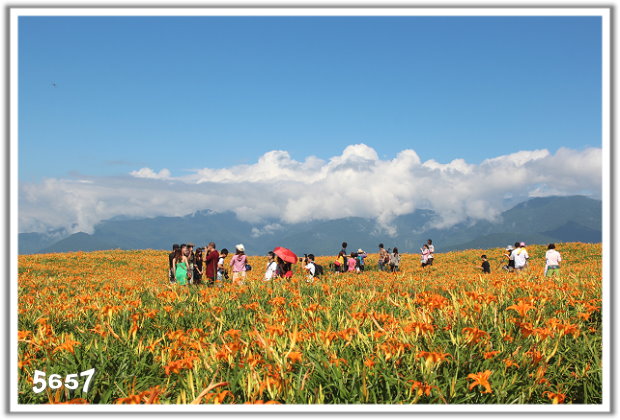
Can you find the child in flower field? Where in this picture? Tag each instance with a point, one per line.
(352, 263)
(486, 267)
(339, 263)
(361, 255)
(238, 262)
(394, 260)
(552, 259)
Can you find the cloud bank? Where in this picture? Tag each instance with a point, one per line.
(277, 187)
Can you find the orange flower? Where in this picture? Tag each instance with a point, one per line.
(422, 389)
(433, 357)
(67, 345)
(482, 379)
(233, 334)
(294, 357)
(369, 363)
(510, 362)
(474, 335)
(278, 301)
(24, 335)
(521, 308)
(556, 398)
(491, 354)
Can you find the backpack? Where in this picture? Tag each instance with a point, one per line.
(318, 270)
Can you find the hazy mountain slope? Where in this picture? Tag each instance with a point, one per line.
(539, 220)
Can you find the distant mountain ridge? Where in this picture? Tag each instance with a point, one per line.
(538, 220)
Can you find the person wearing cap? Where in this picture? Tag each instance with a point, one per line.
(272, 267)
(511, 262)
(361, 256)
(520, 257)
(238, 262)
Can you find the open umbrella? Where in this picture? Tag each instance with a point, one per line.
(286, 254)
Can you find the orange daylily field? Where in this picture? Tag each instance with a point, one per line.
(446, 334)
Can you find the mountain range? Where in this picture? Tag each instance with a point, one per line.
(538, 220)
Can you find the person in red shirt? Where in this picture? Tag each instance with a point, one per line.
(211, 256)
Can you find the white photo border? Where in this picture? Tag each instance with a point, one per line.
(604, 12)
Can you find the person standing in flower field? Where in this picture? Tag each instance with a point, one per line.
(339, 263)
(221, 270)
(310, 268)
(511, 262)
(271, 271)
(431, 250)
(520, 256)
(361, 256)
(198, 271)
(384, 258)
(180, 265)
(211, 259)
(425, 253)
(191, 259)
(344, 256)
(238, 262)
(552, 261)
(171, 274)
(351, 263)
(395, 260)
(486, 267)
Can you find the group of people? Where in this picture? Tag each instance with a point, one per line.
(389, 260)
(517, 259)
(355, 262)
(207, 264)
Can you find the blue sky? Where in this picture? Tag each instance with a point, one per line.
(184, 93)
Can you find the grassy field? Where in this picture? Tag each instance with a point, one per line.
(442, 335)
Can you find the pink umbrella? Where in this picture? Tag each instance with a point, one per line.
(286, 254)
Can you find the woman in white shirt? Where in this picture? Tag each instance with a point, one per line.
(553, 259)
(272, 266)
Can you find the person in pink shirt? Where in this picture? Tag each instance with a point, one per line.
(238, 262)
(351, 263)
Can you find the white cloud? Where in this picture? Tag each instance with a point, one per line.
(268, 229)
(355, 183)
(151, 174)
